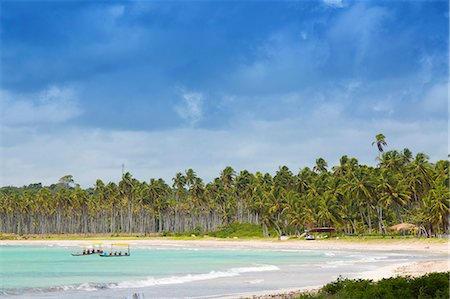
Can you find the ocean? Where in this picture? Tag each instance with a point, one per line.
(155, 272)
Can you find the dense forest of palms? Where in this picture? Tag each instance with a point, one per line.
(353, 198)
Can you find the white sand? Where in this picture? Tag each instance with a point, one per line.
(417, 268)
(423, 246)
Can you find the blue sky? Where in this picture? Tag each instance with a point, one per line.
(166, 86)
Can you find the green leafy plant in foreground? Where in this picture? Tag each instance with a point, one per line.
(433, 285)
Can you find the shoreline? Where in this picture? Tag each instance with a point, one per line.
(413, 269)
(423, 246)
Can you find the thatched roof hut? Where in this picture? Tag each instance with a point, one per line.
(403, 227)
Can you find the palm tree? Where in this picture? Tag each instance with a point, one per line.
(179, 182)
(127, 188)
(190, 177)
(436, 204)
(392, 193)
(66, 181)
(407, 156)
(420, 177)
(391, 160)
(227, 176)
(361, 188)
(321, 166)
(351, 197)
(380, 141)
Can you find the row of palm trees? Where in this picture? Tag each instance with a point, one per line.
(353, 198)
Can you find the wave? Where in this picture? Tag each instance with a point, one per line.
(150, 281)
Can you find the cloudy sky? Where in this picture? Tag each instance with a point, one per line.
(162, 87)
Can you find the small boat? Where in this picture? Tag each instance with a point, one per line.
(116, 252)
(90, 249)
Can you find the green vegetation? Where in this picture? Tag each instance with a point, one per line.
(355, 199)
(240, 230)
(433, 285)
(233, 230)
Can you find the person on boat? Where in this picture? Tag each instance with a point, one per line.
(120, 252)
(84, 251)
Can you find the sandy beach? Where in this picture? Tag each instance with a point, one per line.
(424, 246)
(417, 268)
(437, 254)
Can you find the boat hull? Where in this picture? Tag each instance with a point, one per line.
(107, 255)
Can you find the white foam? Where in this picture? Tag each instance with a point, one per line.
(87, 287)
(90, 287)
(151, 281)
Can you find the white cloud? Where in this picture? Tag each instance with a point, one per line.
(29, 156)
(53, 105)
(191, 107)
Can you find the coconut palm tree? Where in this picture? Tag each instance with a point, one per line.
(190, 177)
(436, 205)
(321, 166)
(380, 141)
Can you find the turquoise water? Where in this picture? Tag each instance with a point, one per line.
(25, 267)
(50, 272)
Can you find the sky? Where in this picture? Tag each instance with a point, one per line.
(161, 87)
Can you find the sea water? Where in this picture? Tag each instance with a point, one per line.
(52, 272)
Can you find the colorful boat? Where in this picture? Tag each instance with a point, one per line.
(90, 249)
(116, 250)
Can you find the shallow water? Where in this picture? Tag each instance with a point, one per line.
(51, 272)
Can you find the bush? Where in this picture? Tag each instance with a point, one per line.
(430, 286)
(240, 230)
(433, 285)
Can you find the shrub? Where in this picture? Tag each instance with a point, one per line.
(430, 286)
(240, 230)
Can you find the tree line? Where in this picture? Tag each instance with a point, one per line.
(351, 197)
